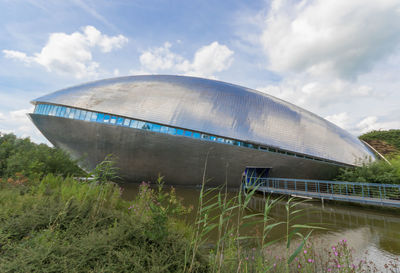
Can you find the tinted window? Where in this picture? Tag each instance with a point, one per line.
(146, 126)
(71, 113)
(155, 127)
(106, 118)
(88, 115)
(179, 132)
(100, 117)
(67, 110)
(46, 111)
(120, 121)
(196, 135)
(77, 114)
(172, 131)
(134, 123)
(113, 120)
(188, 133)
(127, 121)
(93, 117)
(52, 110)
(62, 112)
(83, 115)
(164, 129)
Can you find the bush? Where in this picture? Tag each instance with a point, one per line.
(373, 172)
(64, 225)
(33, 160)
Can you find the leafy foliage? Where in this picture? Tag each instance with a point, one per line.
(21, 156)
(65, 225)
(106, 171)
(391, 136)
(373, 172)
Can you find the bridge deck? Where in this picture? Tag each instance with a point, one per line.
(364, 193)
(336, 197)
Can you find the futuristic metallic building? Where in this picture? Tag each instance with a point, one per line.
(184, 127)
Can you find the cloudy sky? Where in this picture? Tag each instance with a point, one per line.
(337, 58)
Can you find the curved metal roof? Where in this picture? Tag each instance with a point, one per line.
(217, 108)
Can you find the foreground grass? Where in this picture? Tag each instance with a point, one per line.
(63, 225)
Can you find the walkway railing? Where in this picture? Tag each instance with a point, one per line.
(368, 193)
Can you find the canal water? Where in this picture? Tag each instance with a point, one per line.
(373, 233)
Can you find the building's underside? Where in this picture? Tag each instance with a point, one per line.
(184, 127)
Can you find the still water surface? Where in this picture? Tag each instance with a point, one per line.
(373, 233)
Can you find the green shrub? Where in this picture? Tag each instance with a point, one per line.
(373, 172)
(65, 225)
(21, 156)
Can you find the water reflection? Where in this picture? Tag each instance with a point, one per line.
(373, 233)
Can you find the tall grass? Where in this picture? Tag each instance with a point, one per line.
(66, 225)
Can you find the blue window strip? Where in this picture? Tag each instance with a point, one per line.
(113, 120)
(72, 113)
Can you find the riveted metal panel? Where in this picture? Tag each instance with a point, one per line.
(217, 108)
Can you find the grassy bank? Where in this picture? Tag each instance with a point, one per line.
(52, 222)
(64, 225)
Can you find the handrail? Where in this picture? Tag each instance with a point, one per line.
(329, 181)
(373, 193)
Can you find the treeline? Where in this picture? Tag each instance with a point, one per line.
(21, 157)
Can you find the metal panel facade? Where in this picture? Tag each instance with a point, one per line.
(216, 108)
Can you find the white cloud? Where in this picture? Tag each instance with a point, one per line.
(160, 58)
(18, 122)
(336, 58)
(374, 123)
(337, 37)
(71, 54)
(21, 56)
(341, 120)
(317, 93)
(207, 61)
